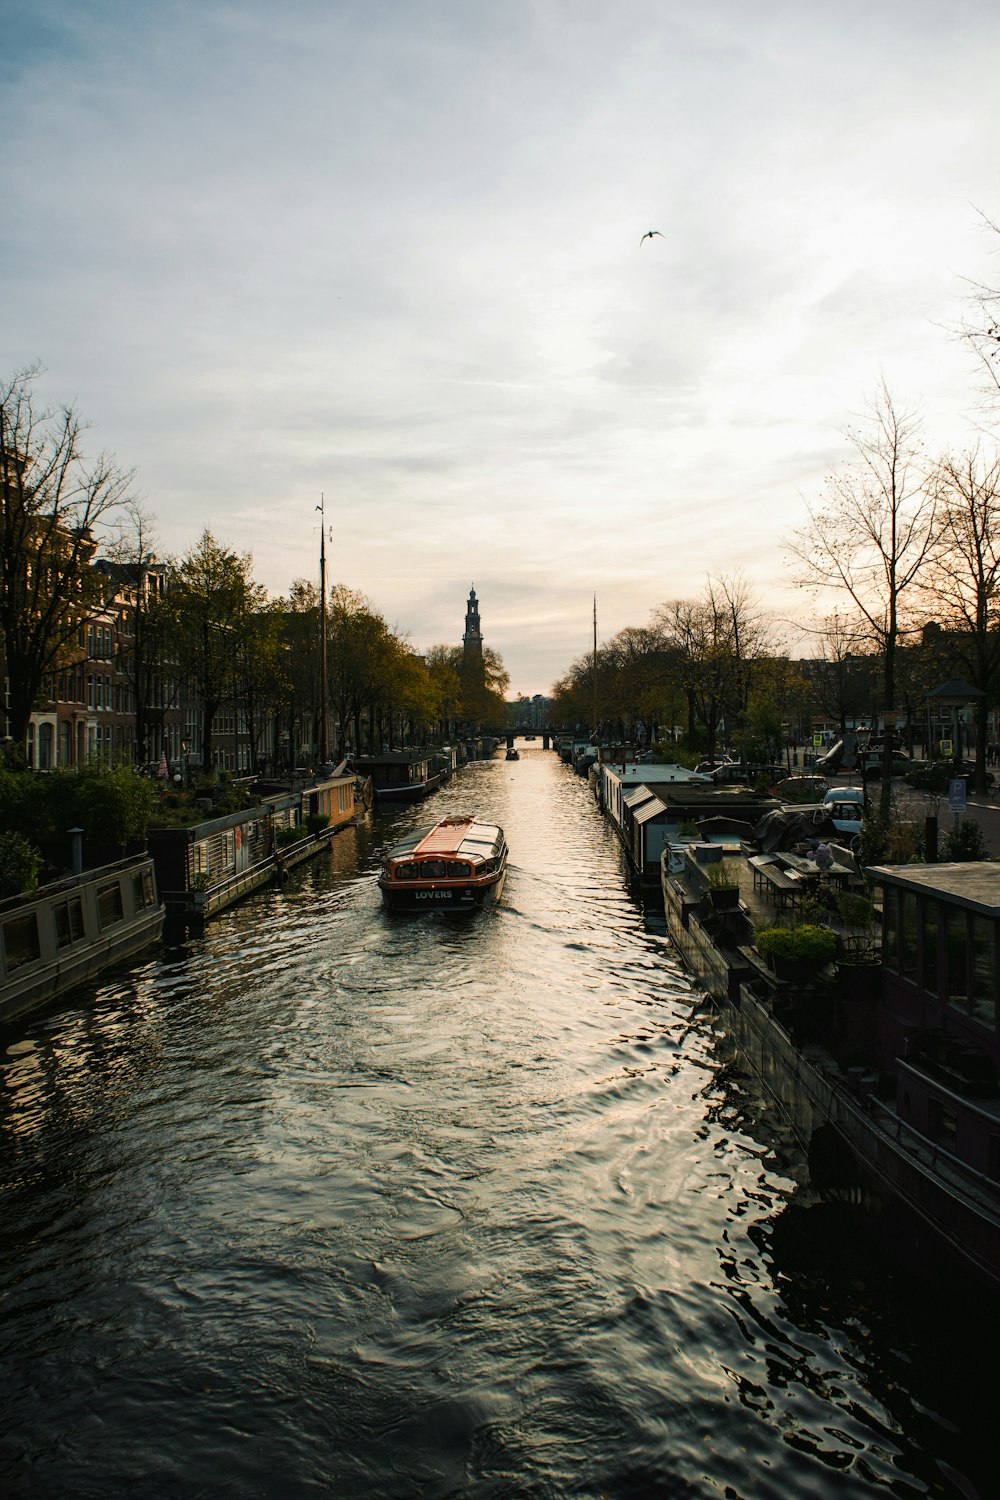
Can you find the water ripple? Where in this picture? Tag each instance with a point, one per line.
(328, 1202)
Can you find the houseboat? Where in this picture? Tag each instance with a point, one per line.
(458, 863)
(400, 775)
(72, 930)
(205, 867)
(884, 1062)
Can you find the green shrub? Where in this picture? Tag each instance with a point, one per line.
(286, 836)
(930, 776)
(20, 863)
(113, 806)
(316, 822)
(721, 876)
(966, 842)
(804, 944)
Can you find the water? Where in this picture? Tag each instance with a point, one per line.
(331, 1202)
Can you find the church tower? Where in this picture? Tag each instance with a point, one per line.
(472, 640)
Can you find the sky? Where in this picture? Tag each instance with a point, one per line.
(391, 253)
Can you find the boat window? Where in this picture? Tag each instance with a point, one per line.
(20, 940)
(908, 934)
(958, 981)
(984, 972)
(459, 870)
(407, 872)
(69, 921)
(142, 888)
(433, 869)
(929, 946)
(109, 904)
(942, 1123)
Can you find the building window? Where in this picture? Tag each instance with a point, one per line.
(942, 1123)
(984, 972)
(957, 943)
(908, 934)
(199, 858)
(929, 947)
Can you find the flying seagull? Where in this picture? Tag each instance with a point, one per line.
(649, 235)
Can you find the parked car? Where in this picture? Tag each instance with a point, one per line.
(847, 817)
(845, 794)
(871, 763)
(734, 774)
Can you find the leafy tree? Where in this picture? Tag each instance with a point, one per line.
(51, 499)
(20, 863)
(212, 596)
(485, 681)
(301, 649)
(262, 681)
(444, 670)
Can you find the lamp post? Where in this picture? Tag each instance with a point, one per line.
(185, 754)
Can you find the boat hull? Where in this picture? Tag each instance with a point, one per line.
(459, 896)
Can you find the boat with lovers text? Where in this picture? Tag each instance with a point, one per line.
(458, 863)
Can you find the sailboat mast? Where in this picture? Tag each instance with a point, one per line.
(593, 679)
(324, 754)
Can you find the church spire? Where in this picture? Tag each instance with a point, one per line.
(472, 640)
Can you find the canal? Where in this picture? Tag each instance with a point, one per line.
(329, 1202)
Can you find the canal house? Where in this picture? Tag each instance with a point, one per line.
(937, 1023)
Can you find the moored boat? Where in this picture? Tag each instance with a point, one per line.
(457, 863)
(66, 933)
(886, 1062)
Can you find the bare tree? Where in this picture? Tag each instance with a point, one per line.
(715, 643)
(51, 499)
(966, 576)
(871, 538)
(144, 655)
(981, 328)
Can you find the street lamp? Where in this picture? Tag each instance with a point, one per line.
(185, 754)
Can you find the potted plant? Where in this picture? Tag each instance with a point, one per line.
(723, 886)
(796, 952)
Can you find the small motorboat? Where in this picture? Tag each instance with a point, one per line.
(513, 754)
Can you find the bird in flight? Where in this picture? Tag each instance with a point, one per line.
(649, 235)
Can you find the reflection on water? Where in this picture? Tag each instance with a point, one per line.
(333, 1202)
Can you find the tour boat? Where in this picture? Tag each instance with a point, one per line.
(458, 863)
